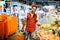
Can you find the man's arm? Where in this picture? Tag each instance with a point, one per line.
(24, 23)
(37, 22)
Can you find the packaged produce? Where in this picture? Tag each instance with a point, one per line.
(20, 36)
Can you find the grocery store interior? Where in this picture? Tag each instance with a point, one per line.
(14, 27)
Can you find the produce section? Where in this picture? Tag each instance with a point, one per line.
(49, 32)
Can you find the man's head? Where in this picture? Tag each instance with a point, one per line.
(34, 8)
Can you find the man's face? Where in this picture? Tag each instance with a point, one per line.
(34, 9)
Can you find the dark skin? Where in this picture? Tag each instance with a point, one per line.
(25, 20)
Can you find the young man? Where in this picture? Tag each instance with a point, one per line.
(31, 20)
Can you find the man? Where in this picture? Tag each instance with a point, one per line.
(31, 20)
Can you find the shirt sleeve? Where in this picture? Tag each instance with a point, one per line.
(26, 14)
(37, 17)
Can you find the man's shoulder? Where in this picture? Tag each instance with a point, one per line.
(29, 11)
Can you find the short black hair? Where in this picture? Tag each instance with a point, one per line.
(34, 6)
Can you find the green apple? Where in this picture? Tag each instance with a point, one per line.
(53, 22)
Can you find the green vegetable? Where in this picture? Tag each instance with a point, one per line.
(53, 30)
(58, 33)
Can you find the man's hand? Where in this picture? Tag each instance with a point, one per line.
(22, 30)
(24, 23)
(38, 23)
